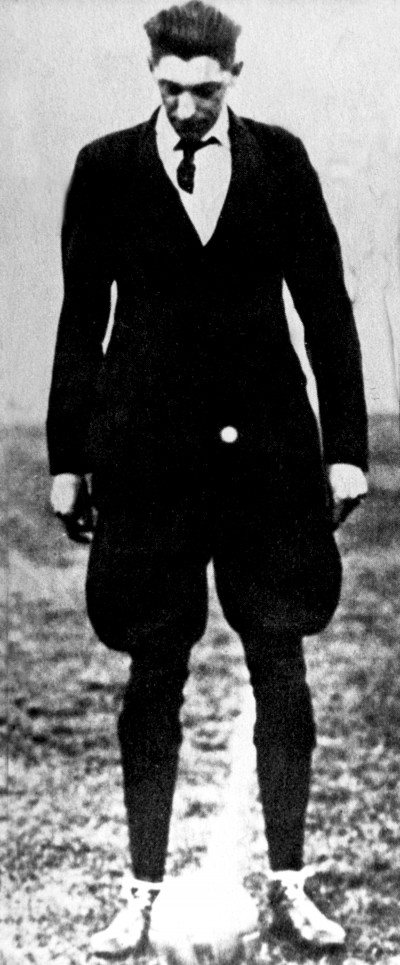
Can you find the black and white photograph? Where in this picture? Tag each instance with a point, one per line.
(200, 476)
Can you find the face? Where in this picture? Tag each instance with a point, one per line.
(193, 92)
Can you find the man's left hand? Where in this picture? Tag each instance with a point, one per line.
(349, 486)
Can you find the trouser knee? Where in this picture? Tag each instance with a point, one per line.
(149, 727)
(284, 713)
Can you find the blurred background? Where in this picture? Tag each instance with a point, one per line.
(72, 70)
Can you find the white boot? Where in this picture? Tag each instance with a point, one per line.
(128, 932)
(295, 915)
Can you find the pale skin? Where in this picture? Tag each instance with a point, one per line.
(193, 93)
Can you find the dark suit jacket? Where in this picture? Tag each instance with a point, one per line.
(200, 337)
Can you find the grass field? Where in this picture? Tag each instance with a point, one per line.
(64, 839)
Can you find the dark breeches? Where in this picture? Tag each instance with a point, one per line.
(278, 575)
(276, 563)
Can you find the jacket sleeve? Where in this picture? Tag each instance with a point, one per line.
(83, 320)
(314, 274)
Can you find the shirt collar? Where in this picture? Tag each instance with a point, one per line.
(168, 138)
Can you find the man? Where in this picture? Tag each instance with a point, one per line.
(197, 429)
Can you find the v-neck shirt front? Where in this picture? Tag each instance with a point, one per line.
(212, 176)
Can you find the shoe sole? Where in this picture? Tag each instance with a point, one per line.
(290, 934)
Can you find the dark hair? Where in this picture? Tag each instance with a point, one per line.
(193, 30)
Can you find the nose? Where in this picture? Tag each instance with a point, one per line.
(186, 106)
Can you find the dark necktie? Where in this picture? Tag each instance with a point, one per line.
(186, 168)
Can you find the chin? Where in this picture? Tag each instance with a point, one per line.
(191, 130)
(185, 131)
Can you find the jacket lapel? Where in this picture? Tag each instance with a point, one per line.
(164, 219)
(165, 211)
(251, 187)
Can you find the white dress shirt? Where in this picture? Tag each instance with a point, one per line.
(212, 177)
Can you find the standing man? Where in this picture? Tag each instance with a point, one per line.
(197, 430)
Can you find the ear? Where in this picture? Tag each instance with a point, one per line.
(236, 70)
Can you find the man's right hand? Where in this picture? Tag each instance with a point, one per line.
(70, 501)
(64, 493)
